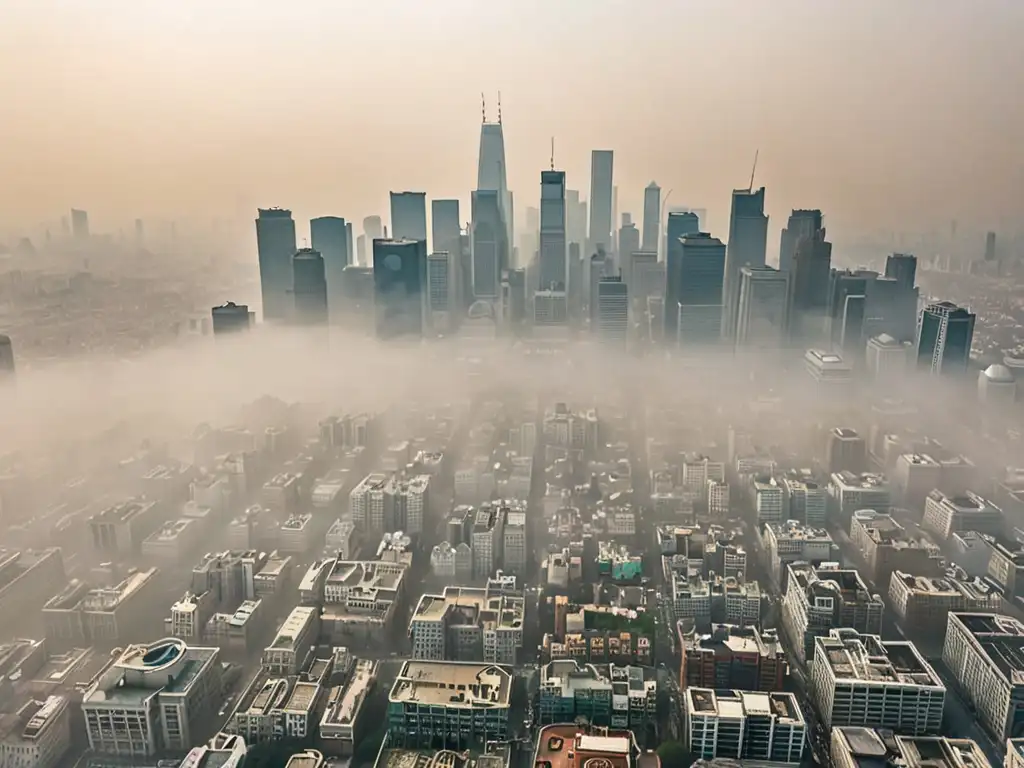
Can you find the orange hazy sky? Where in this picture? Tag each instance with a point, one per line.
(887, 114)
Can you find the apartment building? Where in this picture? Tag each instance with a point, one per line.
(945, 515)
(923, 603)
(468, 624)
(854, 747)
(792, 541)
(887, 546)
(744, 725)
(605, 694)
(730, 656)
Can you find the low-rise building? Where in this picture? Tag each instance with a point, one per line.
(37, 734)
(849, 491)
(862, 680)
(984, 653)
(887, 546)
(792, 542)
(223, 751)
(174, 540)
(293, 644)
(189, 615)
(856, 747)
(727, 600)
(1005, 564)
(923, 603)
(575, 746)
(154, 697)
(361, 599)
(236, 631)
(121, 528)
(296, 533)
(744, 725)
(731, 657)
(340, 539)
(79, 617)
(467, 702)
(606, 694)
(818, 600)
(468, 624)
(945, 514)
(343, 723)
(28, 578)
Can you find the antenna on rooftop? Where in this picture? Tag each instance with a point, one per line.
(483, 106)
(552, 153)
(499, 107)
(752, 171)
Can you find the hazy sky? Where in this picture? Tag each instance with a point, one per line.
(899, 114)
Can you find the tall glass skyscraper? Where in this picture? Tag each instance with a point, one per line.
(944, 338)
(409, 216)
(601, 167)
(802, 223)
(652, 217)
(552, 264)
(748, 240)
(275, 241)
(761, 308)
(310, 288)
(700, 275)
(491, 173)
(488, 244)
(329, 236)
(680, 225)
(399, 287)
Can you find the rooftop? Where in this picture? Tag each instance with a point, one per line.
(302, 697)
(706, 702)
(795, 530)
(860, 481)
(452, 684)
(477, 606)
(344, 702)
(868, 658)
(1000, 638)
(293, 626)
(557, 745)
(169, 532)
(869, 748)
(951, 585)
(123, 512)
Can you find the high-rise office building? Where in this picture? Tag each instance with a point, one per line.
(552, 258)
(489, 247)
(748, 239)
(230, 318)
(79, 224)
(409, 216)
(701, 273)
(360, 251)
(944, 338)
(440, 303)
(762, 304)
(680, 224)
(6, 355)
(309, 279)
(902, 267)
(349, 242)
(399, 286)
(491, 172)
(359, 285)
(513, 297)
(809, 282)
(446, 234)
(601, 166)
(629, 243)
(652, 217)
(802, 223)
(275, 242)
(847, 295)
(612, 311)
(990, 246)
(373, 228)
(647, 278)
(329, 236)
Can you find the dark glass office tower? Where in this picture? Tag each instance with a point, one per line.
(944, 338)
(6, 355)
(489, 244)
(399, 285)
(701, 275)
(802, 223)
(310, 289)
(231, 318)
(902, 267)
(275, 241)
(329, 236)
(680, 224)
(601, 166)
(552, 258)
(652, 217)
(748, 240)
(409, 216)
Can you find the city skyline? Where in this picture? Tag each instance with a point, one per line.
(837, 166)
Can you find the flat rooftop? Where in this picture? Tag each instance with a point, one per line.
(736, 704)
(302, 697)
(366, 574)
(555, 744)
(123, 512)
(870, 659)
(344, 702)
(452, 684)
(477, 606)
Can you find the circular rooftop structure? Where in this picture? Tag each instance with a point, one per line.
(481, 309)
(999, 373)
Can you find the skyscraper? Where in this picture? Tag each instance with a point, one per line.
(329, 236)
(79, 224)
(601, 166)
(275, 242)
(680, 225)
(373, 228)
(700, 275)
(748, 239)
(349, 242)
(488, 245)
(944, 338)
(810, 278)
(575, 218)
(446, 237)
(552, 261)
(230, 318)
(409, 216)
(761, 307)
(360, 251)
(802, 223)
(491, 172)
(310, 288)
(612, 311)
(990, 246)
(440, 303)
(399, 285)
(629, 243)
(652, 217)
(646, 278)
(902, 267)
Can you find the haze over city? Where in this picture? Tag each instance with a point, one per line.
(566, 385)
